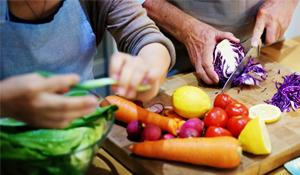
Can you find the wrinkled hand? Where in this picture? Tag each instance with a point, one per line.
(200, 43)
(274, 16)
(131, 71)
(35, 100)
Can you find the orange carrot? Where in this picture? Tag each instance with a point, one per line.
(220, 152)
(129, 111)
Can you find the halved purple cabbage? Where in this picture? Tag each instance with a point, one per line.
(288, 93)
(227, 56)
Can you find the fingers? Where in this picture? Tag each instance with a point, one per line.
(59, 82)
(58, 111)
(227, 35)
(274, 32)
(53, 102)
(116, 64)
(258, 30)
(136, 80)
(205, 67)
(126, 76)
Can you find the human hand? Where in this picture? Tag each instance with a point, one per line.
(35, 100)
(131, 71)
(200, 41)
(274, 16)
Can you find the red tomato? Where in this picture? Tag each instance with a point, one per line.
(216, 117)
(222, 100)
(213, 131)
(236, 124)
(235, 109)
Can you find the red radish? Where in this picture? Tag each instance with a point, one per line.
(151, 132)
(134, 130)
(168, 136)
(156, 108)
(194, 123)
(188, 132)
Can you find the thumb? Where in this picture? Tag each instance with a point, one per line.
(258, 31)
(228, 35)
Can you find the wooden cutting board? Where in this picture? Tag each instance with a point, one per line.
(284, 134)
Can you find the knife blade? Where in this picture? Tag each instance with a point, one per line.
(252, 53)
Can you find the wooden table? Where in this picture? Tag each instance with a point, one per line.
(285, 134)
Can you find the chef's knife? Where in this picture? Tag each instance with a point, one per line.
(252, 53)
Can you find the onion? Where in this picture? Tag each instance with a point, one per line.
(156, 108)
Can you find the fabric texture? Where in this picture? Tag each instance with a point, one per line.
(66, 44)
(72, 36)
(127, 21)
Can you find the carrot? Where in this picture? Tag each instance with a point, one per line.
(129, 111)
(220, 152)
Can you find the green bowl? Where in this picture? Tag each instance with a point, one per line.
(30, 151)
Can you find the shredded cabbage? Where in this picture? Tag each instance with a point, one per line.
(288, 93)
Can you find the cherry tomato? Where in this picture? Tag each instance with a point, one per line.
(222, 100)
(216, 117)
(236, 124)
(235, 109)
(213, 131)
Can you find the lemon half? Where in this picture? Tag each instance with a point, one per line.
(254, 138)
(266, 112)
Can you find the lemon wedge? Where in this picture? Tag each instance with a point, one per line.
(190, 101)
(266, 112)
(254, 138)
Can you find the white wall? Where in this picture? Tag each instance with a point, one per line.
(294, 28)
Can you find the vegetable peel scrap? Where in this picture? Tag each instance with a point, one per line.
(288, 93)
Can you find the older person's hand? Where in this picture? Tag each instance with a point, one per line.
(200, 42)
(274, 16)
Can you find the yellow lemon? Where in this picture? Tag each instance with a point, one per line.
(266, 112)
(190, 101)
(254, 138)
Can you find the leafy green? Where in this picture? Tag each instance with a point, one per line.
(27, 150)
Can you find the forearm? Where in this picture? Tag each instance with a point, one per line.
(156, 55)
(169, 18)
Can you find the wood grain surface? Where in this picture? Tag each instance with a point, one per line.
(284, 134)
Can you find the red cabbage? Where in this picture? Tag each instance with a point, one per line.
(288, 93)
(253, 74)
(227, 56)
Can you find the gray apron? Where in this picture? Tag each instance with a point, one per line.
(235, 16)
(64, 45)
